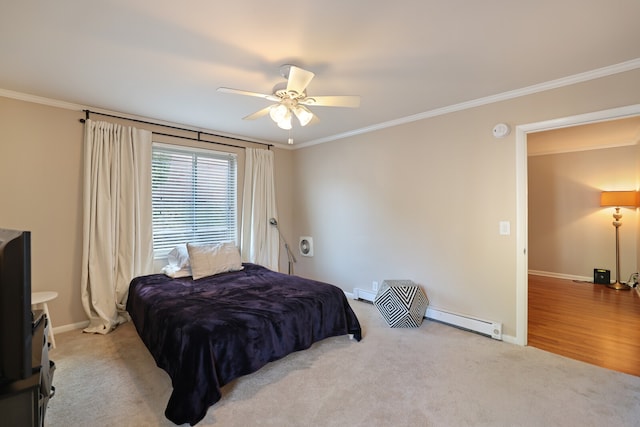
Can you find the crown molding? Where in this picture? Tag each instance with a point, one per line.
(79, 107)
(528, 90)
(42, 100)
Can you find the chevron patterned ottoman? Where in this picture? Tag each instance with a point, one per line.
(402, 303)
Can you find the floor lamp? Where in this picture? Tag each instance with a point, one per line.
(292, 259)
(618, 199)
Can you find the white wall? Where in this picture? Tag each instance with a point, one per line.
(423, 201)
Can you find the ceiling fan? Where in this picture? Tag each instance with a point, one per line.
(291, 99)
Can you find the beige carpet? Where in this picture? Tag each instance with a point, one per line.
(435, 375)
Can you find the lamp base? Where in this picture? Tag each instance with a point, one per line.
(618, 286)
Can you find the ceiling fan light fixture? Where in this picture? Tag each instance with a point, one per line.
(290, 98)
(285, 122)
(303, 114)
(278, 112)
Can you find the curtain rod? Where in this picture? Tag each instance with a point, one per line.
(88, 112)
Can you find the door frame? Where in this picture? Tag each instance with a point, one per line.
(522, 257)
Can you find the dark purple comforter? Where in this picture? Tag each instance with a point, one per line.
(207, 332)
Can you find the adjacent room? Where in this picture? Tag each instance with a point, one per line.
(572, 241)
(282, 164)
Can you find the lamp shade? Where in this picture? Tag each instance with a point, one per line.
(303, 114)
(278, 112)
(619, 198)
(285, 122)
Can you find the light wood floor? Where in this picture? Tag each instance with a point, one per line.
(586, 322)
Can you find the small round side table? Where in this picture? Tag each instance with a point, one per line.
(39, 300)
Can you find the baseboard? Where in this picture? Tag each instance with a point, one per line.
(561, 276)
(484, 327)
(571, 277)
(70, 327)
(510, 339)
(359, 293)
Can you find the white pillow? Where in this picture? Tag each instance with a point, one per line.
(175, 272)
(207, 260)
(179, 265)
(179, 256)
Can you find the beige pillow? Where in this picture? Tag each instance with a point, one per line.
(207, 260)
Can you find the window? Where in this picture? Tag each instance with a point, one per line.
(194, 197)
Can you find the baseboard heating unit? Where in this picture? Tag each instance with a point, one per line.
(484, 327)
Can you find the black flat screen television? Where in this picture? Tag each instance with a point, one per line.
(15, 305)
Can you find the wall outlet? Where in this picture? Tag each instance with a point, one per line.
(374, 285)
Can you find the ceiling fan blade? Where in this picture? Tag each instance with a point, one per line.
(258, 114)
(248, 93)
(298, 79)
(351, 101)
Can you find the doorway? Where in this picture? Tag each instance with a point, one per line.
(522, 203)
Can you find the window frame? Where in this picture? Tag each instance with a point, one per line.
(223, 226)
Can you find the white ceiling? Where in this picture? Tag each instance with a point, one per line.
(164, 60)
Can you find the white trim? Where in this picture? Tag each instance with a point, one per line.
(528, 90)
(70, 327)
(581, 149)
(485, 327)
(521, 198)
(553, 84)
(190, 149)
(79, 107)
(560, 276)
(41, 100)
(522, 258)
(367, 295)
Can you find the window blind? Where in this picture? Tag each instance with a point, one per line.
(194, 197)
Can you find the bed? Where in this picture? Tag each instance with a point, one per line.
(204, 333)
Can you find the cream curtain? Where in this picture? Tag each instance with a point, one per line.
(117, 229)
(259, 242)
